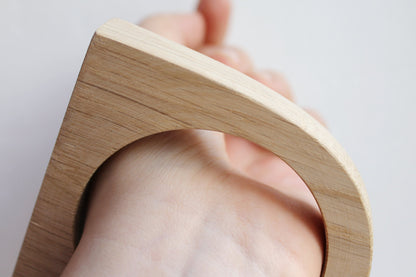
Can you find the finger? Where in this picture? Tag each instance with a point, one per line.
(316, 115)
(248, 157)
(275, 81)
(231, 56)
(216, 14)
(187, 29)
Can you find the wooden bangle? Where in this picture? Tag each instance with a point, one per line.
(134, 83)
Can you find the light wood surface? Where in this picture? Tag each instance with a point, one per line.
(134, 83)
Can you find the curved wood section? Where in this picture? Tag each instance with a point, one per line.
(134, 83)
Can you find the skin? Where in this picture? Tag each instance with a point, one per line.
(200, 203)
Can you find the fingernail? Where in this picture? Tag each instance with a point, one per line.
(267, 75)
(233, 56)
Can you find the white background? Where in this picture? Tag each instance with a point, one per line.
(354, 61)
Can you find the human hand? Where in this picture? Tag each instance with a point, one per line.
(195, 202)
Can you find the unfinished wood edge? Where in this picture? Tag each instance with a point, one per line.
(128, 33)
(141, 39)
(127, 39)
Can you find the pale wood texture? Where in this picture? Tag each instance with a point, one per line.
(134, 83)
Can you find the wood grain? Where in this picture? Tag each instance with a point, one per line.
(134, 83)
